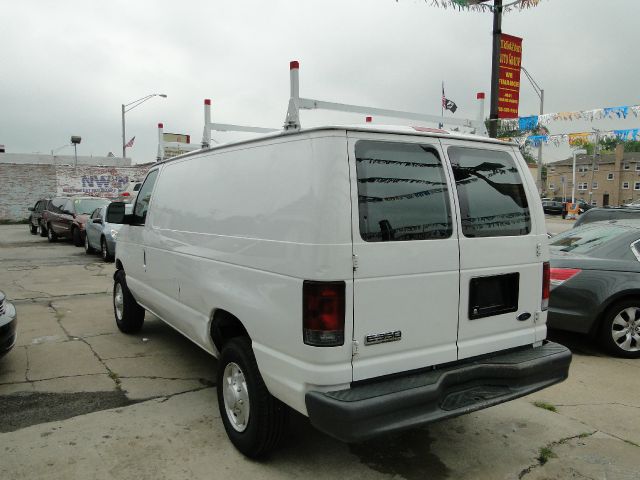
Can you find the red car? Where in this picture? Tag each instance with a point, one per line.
(66, 217)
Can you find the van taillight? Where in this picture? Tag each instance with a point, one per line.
(323, 313)
(126, 194)
(546, 280)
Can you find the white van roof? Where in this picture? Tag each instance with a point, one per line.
(393, 129)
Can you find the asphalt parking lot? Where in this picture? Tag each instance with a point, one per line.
(80, 400)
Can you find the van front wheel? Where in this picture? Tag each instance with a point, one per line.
(129, 315)
(253, 419)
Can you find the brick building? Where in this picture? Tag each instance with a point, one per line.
(614, 180)
(26, 178)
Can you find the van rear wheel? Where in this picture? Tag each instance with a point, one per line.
(129, 315)
(254, 420)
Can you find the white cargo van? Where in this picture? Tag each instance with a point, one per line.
(372, 278)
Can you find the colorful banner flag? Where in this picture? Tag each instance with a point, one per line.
(528, 123)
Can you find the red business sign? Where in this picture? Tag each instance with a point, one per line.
(509, 78)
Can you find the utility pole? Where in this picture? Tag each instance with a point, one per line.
(495, 68)
(540, 184)
(124, 139)
(540, 92)
(593, 163)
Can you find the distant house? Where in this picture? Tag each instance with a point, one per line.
(612, 179)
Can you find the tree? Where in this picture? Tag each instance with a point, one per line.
(608, 145)
(525, 148)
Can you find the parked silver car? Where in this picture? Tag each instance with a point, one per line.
(100, 235)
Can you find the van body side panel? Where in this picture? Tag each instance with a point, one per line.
(240, 229)
(406, 281)
(501, 248)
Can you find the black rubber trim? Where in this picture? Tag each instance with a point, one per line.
(399, 403)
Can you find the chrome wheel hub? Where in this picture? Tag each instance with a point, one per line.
(236, 397)
(625, 329)
(118, 301)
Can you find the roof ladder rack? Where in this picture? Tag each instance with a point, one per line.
(225, 127)
(292, 120)
(162, 145)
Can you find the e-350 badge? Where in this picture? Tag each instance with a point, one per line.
(375, 338)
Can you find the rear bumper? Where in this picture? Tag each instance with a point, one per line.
(399, 403)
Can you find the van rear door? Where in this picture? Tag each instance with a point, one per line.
(500, 248)
(405, 246)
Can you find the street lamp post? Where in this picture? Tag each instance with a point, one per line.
(593, 163)
(128, 107)
(540, 92)
(75, 140)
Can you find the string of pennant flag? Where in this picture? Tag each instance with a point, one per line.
(482, 5)
(577, 138)
(534, 121)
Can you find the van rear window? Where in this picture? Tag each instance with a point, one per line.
(402, 192)
(493, 202)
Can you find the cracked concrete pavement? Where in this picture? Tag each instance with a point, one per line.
(79, 399)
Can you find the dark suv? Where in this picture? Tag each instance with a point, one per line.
(66, 217)
(35, 218)
(552, 207)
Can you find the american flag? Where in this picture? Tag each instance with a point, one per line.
(129, 144)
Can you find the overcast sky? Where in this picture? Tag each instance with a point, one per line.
(67, 66)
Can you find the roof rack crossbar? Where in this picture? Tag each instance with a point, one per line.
(225, 127)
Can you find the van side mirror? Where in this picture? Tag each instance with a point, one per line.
(31, 209)
(116, 212)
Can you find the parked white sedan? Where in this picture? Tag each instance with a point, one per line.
(100, 235)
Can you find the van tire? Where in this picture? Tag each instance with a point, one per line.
(128, 314)
(268, 416)
(43, 230)
(33, 228)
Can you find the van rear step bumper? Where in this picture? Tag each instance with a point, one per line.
(399, 403)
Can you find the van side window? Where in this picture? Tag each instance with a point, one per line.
(144, 197)
(493, 202)
(402, 192)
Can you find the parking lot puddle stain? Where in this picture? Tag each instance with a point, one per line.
(25, 409)
(407, 455)
(48, 338)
